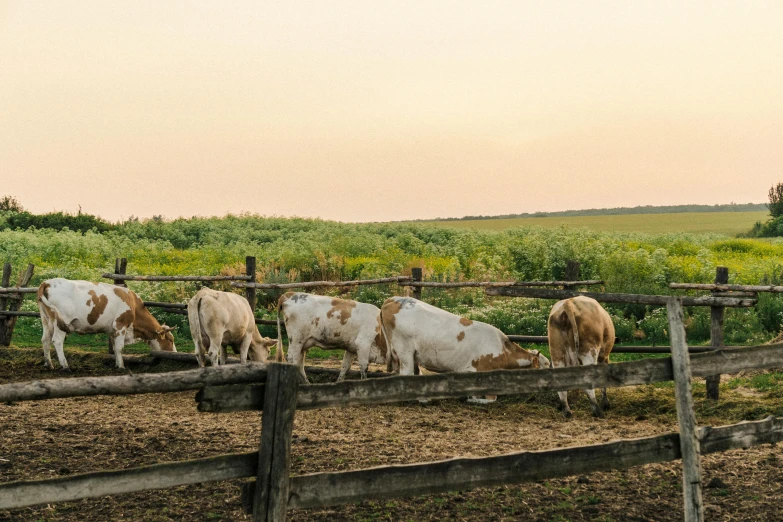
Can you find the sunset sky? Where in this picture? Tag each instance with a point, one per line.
(387, 110)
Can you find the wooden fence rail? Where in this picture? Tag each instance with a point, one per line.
(318, 284)
(497, 382)
(605, 297)
(125, 277)
(482, 284)
(332, 488)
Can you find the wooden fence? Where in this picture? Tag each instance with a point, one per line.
(275, 389)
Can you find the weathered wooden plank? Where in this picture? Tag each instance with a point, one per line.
(686, 416)
(499, 382)
(490, 284)
(99, 484)
(716, 333)
(332, 488)
(250, 272)
(7, 333)
(317, 284)
(720, 287)
(416, 275)
(604, 297)
(17, 313)
(274, 456)
(125, 277)
(133, 384)
(18, 290)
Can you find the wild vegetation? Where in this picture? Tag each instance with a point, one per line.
(296, 249)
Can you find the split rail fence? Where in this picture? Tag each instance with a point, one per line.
(275, 390)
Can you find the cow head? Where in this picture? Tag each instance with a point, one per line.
(543, 362)
(163, 339)
(259, 349)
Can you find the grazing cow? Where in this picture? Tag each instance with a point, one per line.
(332, 324)
(221, 319)
(440, 341)
(84, 307)
(580, 333)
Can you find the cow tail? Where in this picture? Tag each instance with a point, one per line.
(279, 349)
(572, 355)
(42, 300)
(196, 327)
(386, 339)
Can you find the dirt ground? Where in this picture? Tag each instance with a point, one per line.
(59, 437)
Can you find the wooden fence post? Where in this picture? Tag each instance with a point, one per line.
(572, 271)
(416, 274)
(6, 282)
(689, 441)
(270, 501)
(14, 304)
(716, 332)
(250, 269)
(120, 266)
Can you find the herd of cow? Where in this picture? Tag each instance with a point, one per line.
(404, 334)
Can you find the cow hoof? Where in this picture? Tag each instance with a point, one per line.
(567, 414)
(605, 405)
(66, 370)
(598, 414)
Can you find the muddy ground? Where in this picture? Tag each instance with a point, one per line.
(60, 437)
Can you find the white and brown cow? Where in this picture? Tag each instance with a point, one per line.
(221, 319)
(332, 324)
(580, 332)
(440, 341)
(83, 307)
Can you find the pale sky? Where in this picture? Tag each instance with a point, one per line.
(388, 110)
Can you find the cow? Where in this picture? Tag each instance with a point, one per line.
(580, 332)
(440, 341)
(221, 319)
(332, 324)
(84, 307)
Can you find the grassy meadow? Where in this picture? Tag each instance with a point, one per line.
(729, 223)
(295, 249)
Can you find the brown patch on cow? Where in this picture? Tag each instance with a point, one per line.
(390, 308)
(145, 326)
(461, 336)
(465, 321)
(43, 290)
(283, 298)
(342, 306)
(99, 303)
(337, 334)
(316, 321)
(489, 362)
(380, 340)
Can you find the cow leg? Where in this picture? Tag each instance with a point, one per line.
(243, 349)
(347, 360)
(604, 399)
(215, 347)
(586, 360)
(119, 344)
(58, 337)
(364, 361)
(46, 342)
(559, 362)
(296, 355)
(223, 354)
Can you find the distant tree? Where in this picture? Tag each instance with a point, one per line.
(10, 204)
(775, 204)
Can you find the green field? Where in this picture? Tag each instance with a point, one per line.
(730, 223)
